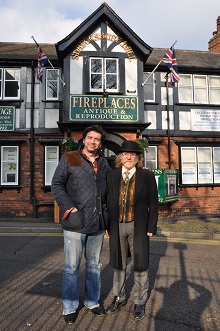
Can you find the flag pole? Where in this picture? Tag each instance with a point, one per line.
(49, 62)
(154, 69)
(151, 73)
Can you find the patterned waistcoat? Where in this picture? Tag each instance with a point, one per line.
(126, 200)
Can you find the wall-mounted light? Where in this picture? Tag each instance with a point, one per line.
(105, 94)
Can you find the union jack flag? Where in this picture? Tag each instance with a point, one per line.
(170, 60)
(42, 59)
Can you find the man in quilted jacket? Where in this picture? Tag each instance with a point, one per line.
(79, 188)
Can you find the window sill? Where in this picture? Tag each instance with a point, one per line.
(10, 187)
(197, 186)
(46, 188)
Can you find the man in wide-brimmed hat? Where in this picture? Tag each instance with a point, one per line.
(133, 206)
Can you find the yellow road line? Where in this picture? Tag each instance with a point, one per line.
(31, 234)
(186, 240)
(162, 239)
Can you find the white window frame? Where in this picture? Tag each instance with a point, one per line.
(200, 165)
(51, 162)
(4, 81)
(150, 84)
(208, 89)
(189, 165)
(200, 89)
(216, 164)
(53, 81)
(9, 165)
(214, 88)
(148, 160)
(104, 75)
(185, 87)
(204, 158)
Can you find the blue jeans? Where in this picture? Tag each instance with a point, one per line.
(74, 243)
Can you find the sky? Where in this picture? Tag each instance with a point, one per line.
(158, 23)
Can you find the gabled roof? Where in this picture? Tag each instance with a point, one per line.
(102, 14)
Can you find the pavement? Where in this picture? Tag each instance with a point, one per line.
(184, 274)
(188, 228)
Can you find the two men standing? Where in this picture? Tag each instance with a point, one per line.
(79, 187)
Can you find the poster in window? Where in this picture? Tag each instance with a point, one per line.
(10, 178)
(189, 175)
(51, 154)
(204, 175)
(217, 175)
(171, 185)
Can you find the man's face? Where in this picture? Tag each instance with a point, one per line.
(92, 142)
(129, 160)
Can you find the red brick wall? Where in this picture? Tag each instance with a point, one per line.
(200, 201)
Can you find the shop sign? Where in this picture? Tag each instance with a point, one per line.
(167, 184)
(7, 118)
(98, 108)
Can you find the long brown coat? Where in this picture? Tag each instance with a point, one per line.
(145, 216)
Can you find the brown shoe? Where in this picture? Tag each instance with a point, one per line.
(115, 305)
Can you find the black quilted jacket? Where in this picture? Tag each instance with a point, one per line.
(75, 184)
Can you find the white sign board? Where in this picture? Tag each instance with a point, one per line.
(205, 120)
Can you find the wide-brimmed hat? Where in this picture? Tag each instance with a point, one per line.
(130, 146)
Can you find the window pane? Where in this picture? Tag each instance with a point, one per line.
(12, 74)
(216, 154)
(185, 94)
(111, 82)
(111, 66)
(200, 95)
(188, 154)
(185, 80)
(189, 171)
(9, 165)
(52, 83)
(204, 154)
(200, 89)
(149, 87)
(96, 81)
(200, 81)
(52, 89)
(150, 161)
(96, 65)
(11, 89)
(216, 158)
(214, 95)
(12, 80)
(52, 74)
(214, 81)
(51, 161)
(214, 89)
